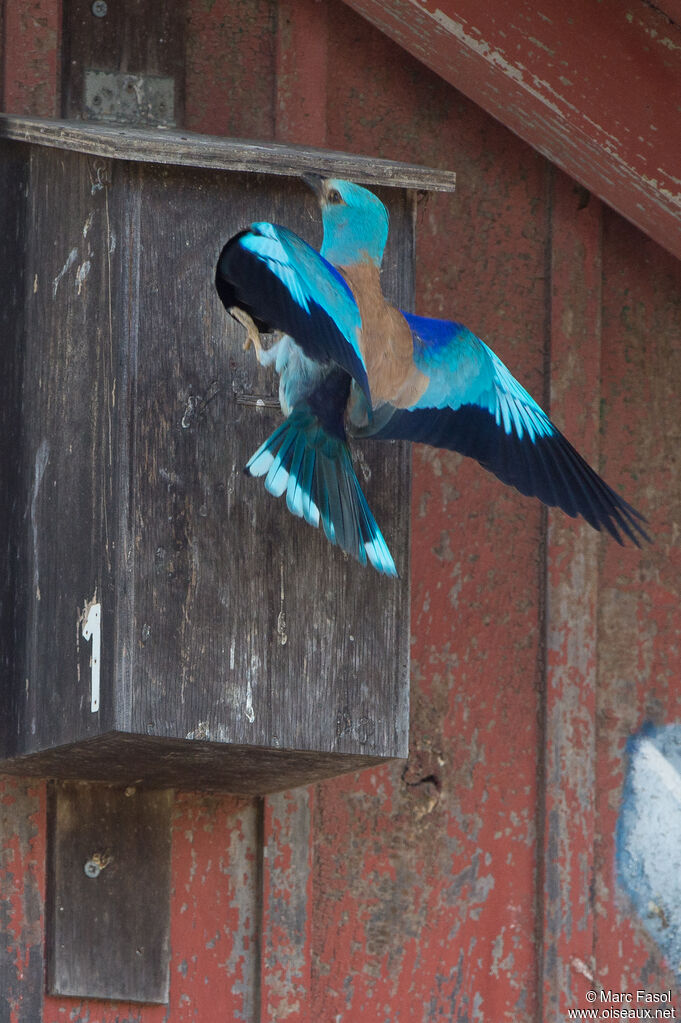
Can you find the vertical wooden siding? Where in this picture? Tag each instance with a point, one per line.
(477, 882)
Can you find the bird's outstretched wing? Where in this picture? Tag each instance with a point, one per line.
(284, 284)
(475, 406)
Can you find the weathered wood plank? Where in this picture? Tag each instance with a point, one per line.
(672, 8)
(215, 910)
(562, 79)
(193, 150)
(22, 887)
(208, 766)
(286, 943)
(13, 585)
(571, 610)
(108, 895)
(301, 72)
(30, 67)
(67, 446)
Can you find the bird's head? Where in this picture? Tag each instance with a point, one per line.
(355, 221)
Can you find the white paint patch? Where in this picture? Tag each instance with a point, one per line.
(201, 732)
(92, 630)
(88, 224)
(249, 712)
(41, 459)
(666, 192)
(81, 275)
(650, 759)
(281, 618)
(70, 260)
(648, 829)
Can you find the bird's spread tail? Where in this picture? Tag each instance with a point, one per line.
(314, 470)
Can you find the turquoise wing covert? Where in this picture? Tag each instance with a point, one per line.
(474, 405)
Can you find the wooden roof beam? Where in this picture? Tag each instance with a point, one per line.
(595, 87)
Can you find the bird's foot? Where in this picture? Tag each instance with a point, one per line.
(252, 332)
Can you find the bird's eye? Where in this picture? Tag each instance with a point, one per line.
(335, 196)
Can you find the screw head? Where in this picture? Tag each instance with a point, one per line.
(92, 869)
(99, 8)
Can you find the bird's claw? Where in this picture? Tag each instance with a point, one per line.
(252, 332)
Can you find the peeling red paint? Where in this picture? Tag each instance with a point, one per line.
(30, 81)
(231, 53)
(593, 101)
(22, 896)
(302, 70)
(424, 893)
(287, 902)
(639, 595)
(215, 915)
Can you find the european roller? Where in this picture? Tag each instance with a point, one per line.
(351, 364)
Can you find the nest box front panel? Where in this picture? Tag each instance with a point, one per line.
(249, 626)
(215, 618)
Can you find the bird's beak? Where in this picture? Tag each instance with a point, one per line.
(315, 182)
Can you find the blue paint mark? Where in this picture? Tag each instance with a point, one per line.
(649, 835)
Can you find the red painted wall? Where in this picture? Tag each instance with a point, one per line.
(476, 882)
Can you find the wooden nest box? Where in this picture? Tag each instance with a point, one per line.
(164, 620)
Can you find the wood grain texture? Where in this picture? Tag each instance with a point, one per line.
(67, 447)
(225, 619)
(108, 930)
(199, 765)
(241, 604)
(194, 150)
(14, 170)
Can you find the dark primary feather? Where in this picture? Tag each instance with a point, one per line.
(548, 467)
(474, 405)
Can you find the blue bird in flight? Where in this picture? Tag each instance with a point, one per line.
(350, 363)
